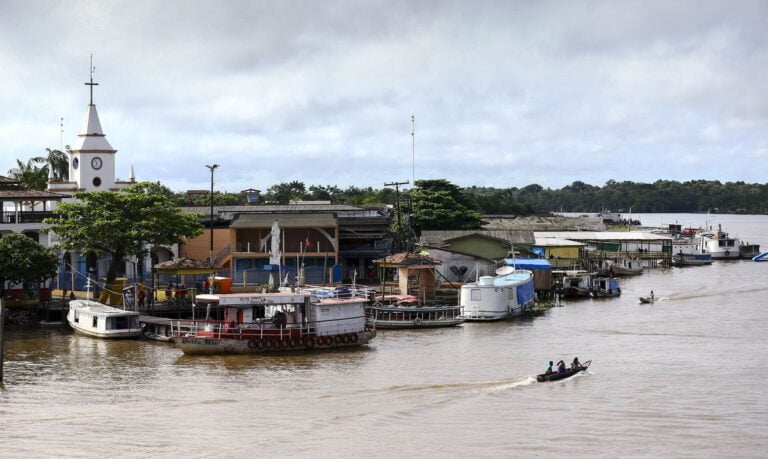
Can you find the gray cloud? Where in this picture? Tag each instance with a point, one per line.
(504, 93)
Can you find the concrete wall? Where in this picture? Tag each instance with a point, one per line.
(199, 247)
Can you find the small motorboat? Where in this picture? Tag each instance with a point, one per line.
(567, 374)
(647, 299)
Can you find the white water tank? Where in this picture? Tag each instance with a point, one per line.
(486, 280)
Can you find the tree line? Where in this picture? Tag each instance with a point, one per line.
(659, 196)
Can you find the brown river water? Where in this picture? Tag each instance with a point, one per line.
(683, 377)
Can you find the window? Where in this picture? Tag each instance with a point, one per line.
(95, 321)
(96, 181)
(77, 317)
(475, 294)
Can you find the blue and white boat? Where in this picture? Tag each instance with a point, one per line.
(762, 256)
(508, 294)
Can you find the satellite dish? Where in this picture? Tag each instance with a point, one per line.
(505, 270)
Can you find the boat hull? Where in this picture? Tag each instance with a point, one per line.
(192, 345)
(412, 324)
(123, 334)
(621, 271)
(491, 316)
(558, 376)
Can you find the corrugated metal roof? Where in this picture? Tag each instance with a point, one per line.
(284, 220)
(602, 236)
(511, 236)
(557, 242)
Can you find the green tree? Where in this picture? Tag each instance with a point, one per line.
(439, 204)
(29, 175)
(284, 193)
(24, 261)
(58, 160)
(119, 223)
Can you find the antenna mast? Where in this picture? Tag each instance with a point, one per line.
(413, 148)
(92, 84)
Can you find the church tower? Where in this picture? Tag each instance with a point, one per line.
(91, 158)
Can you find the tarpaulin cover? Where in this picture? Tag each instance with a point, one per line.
(525, 293)
(528, 263)
(614, 284)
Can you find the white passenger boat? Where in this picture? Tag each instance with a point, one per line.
(92, 318)
(274, 322)
(508, 294)
(627, 267)
(719, 245)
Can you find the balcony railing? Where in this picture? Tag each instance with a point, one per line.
(9, 217)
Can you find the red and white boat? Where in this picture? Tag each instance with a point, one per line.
(273, 322)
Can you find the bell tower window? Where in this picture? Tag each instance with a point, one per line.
(96, 181)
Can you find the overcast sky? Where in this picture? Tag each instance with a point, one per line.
(505, 93)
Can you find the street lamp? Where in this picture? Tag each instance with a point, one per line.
(212, 167)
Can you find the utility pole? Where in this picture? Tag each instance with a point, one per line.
(397, 201)
(413, 148)
(212, 167)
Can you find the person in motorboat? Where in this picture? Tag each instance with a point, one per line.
(575, 364)
(549, 369)
(651, 295)
(561, 367)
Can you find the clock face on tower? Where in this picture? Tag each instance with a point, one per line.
(96, 163)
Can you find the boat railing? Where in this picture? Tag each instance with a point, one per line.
(218, 329)
(342, 291)
(395, 314)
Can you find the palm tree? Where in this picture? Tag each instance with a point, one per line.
(60, 163)
(29, 175)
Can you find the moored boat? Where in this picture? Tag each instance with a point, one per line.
(763, 256)
(691, 259)
(402, 316)
(577, 285)
(98, 320)
(544, 377)
(508, 294)
(274, 322)
(627, 267)
(719, 244)
(603, 287)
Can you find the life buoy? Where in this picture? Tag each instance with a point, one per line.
(337, 339)
(345, 339)
(285, 344)
(311, 343)
(252, 344)
(260, 344)
(354, 337)
(417, 321)
(727, 253)
(268, 344)
(292, 343)
(328, 340)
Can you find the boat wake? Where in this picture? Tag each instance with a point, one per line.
(692, 296)
(484, 386)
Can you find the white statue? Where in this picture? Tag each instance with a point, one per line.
(274, 253)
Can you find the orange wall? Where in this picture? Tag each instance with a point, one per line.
(200, 247)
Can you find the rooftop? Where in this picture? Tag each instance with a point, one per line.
(601, 236)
